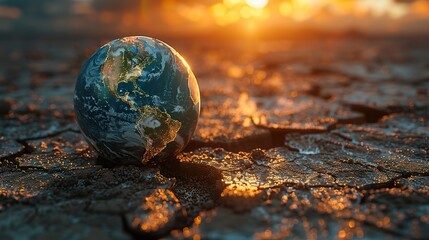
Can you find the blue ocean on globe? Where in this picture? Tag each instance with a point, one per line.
(136, 99)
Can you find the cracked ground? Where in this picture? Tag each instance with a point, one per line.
(307, 139)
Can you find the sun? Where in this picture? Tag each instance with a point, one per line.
(257, 3)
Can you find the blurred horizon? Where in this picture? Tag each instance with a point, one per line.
(217, 19)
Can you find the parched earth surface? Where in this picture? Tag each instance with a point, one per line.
(306, 139)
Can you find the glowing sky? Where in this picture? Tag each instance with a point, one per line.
(373, 16)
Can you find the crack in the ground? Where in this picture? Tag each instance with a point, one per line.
(371, 115)
(12, 157)
(194, 184)
(57, 133)
(26, 150)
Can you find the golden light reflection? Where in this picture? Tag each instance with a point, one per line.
(243, 191)
(241, 197)
(157, 211)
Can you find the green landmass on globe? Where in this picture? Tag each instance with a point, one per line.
(137, 99)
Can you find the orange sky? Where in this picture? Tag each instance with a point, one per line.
(374, 16)
(246, 16)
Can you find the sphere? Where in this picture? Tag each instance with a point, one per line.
(136, 99)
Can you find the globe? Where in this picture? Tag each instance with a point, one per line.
(136, 99)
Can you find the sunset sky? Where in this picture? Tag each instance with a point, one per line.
(208, 16)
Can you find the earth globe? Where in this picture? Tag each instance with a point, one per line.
(136, 99)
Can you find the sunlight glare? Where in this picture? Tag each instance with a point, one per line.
(257, 3)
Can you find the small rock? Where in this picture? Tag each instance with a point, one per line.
(157, 214)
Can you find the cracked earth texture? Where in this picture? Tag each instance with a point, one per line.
(308, 140)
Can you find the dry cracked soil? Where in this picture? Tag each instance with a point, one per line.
(309, 140)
